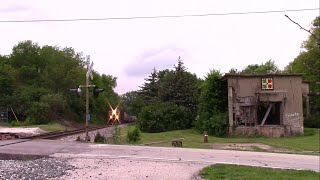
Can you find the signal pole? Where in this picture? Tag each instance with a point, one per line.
(96, 91)
(87, 107)
(88, 75)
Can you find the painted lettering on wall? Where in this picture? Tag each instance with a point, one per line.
(290, 115)
(293, 119)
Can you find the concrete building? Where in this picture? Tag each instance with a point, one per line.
(269, 105)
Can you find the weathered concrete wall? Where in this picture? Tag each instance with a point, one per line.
(286, 89)
(246, 131)
(268, 131)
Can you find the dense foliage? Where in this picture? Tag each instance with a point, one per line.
(164, 116)
(133, 135)
(308, 63)
(35, 82)
(212, 115)
(170, 100)
(268, 67)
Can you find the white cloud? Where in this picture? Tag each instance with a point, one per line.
(162, 58)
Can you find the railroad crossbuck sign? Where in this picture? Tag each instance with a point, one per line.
(267, 83)
(89, 68)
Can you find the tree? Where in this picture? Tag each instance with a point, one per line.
(175, 87)
(213, 103)
(308, 63)
(180, 67)
(149, 91)
(35, 81)
(6, 80)
(128, 101)
(268, 67)
(180, 87)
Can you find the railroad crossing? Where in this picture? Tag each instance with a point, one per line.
(20, 148)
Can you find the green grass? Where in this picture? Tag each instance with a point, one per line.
(221, 171)
(192, 139)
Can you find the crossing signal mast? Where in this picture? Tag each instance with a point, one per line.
(96, 91)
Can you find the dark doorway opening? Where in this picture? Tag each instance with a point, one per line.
(273, 117)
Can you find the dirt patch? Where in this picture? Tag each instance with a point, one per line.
(249, 147)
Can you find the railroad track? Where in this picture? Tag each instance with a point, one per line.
(58, 134)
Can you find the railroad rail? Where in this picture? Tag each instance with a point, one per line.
(58, 134)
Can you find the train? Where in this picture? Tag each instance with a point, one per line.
(119, 116)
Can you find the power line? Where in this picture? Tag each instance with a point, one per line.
(156, 17)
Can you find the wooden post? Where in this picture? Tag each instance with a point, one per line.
(205, 136)
(14, 115)
(308, 105)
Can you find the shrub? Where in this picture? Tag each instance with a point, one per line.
(15, 123)
(98, 138)
(219, 124)
(312, 121)
(162, 117)
(133, 134)
(309, 132)
(115, 135)
(216, 125)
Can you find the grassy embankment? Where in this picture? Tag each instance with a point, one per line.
(221, 171)
(192, 139)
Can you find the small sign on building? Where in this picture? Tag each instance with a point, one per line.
(267, 84)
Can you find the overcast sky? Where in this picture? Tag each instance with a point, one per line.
(130, 49)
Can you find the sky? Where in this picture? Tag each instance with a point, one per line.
(129, 49)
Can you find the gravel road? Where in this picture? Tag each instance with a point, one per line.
(125, 169)
(89, 168)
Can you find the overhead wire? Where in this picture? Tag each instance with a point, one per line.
(155, 17)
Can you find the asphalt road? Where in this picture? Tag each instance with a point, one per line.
(142, 162)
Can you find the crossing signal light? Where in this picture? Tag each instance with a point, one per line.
(77, 91)
(96, 91)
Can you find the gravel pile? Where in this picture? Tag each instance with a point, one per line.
(44, 168)
(106, 132)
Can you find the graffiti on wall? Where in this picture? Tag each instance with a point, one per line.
(294, 119)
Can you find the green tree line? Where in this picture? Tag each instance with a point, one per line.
(35, 82)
